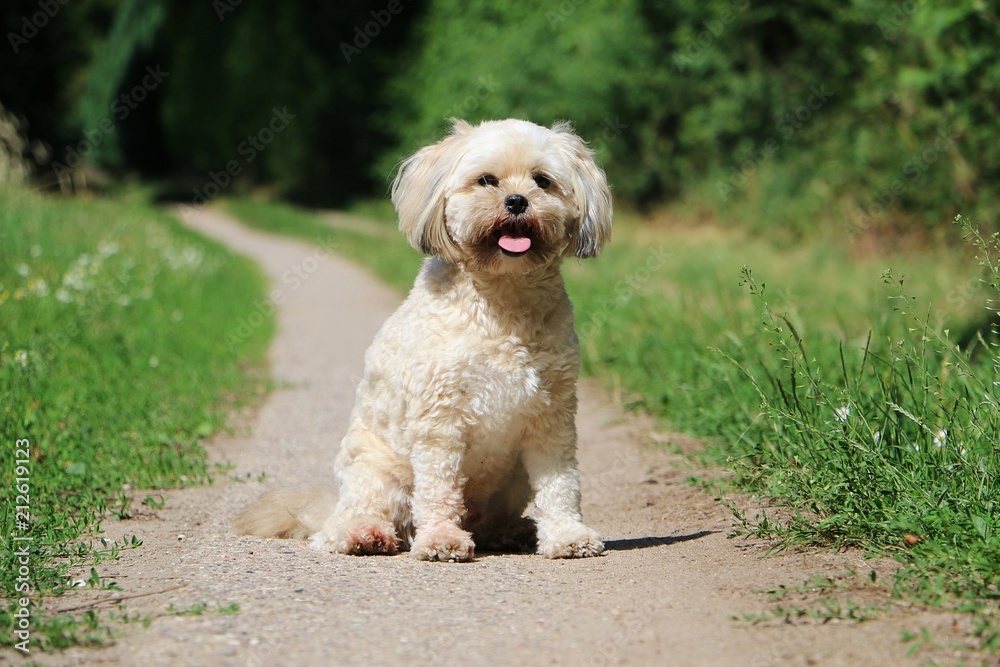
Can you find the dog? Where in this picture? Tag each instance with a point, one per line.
(465, 415)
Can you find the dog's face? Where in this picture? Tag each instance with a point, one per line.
(504, 197)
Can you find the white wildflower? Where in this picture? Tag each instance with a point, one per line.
(21, 357)
(877, 437)
(154, 361)
(63, 295)
(843, 413)
(39, 287)
(941, 439)
(107, 249)
(23, 270)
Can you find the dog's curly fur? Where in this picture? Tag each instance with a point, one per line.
(467, 408)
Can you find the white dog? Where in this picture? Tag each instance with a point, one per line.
(466, 412)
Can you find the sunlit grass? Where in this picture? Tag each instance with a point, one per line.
(113, 366)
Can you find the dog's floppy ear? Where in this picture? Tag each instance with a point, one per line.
(591, 193)
(418, 193)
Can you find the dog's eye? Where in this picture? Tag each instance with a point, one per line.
(542, 181)
(488, 180)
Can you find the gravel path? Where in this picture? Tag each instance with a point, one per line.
(664, 594)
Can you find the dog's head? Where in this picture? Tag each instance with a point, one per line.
(504, 197)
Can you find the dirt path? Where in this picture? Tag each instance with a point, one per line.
(664, 594)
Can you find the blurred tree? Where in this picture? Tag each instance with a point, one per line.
(780, 115)
(315, 66)
(588, 62)
(47, 47)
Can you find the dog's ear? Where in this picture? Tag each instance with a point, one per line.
(591, 193)
(418, 193)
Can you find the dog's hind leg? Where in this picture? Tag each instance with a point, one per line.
(372, 513)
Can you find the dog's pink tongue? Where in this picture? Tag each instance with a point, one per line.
(515, 243)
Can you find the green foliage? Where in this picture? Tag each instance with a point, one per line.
(135, 26)
(480, 60)
(854, 114)
(46, 71)
(113, 367)
(229, 72)
(858, 116)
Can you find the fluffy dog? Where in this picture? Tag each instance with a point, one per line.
(466, 411)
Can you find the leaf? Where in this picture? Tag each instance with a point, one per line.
(979, 523)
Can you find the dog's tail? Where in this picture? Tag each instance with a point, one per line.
(294, 513)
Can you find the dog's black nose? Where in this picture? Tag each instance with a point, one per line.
(516, 204)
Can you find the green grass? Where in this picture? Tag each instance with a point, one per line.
(655, 310)
(113, 368)
(892, 447)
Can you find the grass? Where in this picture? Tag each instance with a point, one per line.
(892, 446)
(827, 379)
(111, 373)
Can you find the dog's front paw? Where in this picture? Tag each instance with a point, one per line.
(356, 537)
(571, 541)
(443, 542)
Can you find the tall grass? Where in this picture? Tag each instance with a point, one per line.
(113, 368)
(892, 446)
